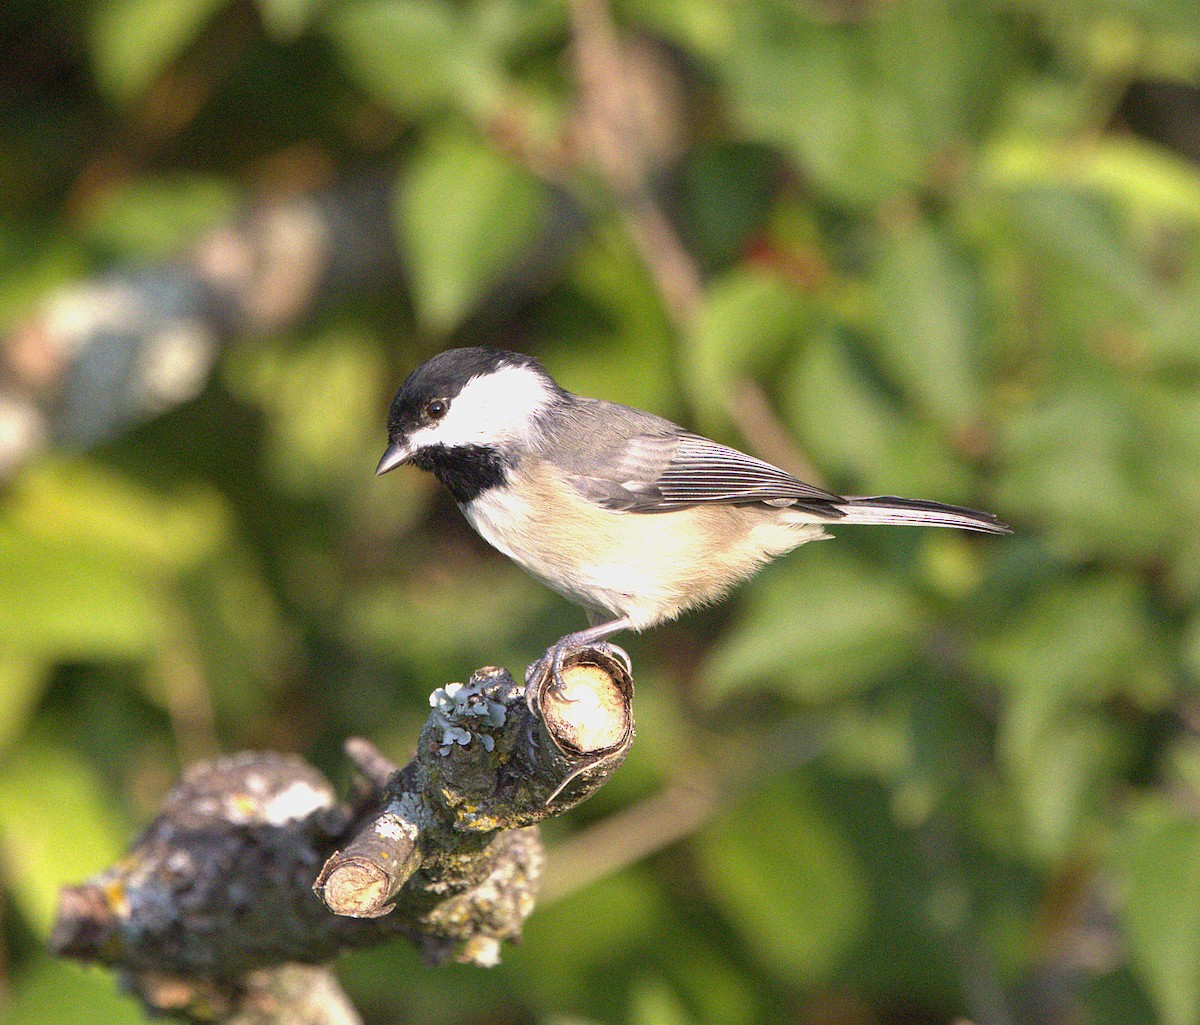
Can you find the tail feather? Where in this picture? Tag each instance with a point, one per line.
(918, 513)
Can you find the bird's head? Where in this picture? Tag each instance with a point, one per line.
(463, 402)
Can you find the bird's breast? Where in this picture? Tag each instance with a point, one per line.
(647, 566)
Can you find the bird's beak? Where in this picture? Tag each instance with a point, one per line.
(397, 452)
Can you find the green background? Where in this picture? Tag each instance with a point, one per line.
(938, 775)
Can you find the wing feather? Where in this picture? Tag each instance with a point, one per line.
(664, 467)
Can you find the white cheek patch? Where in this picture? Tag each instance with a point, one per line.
(491, 408)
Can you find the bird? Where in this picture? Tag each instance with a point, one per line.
(624, 513)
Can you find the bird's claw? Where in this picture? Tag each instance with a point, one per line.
(619, 653)
(557, 655)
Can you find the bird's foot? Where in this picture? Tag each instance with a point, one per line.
(551, 665)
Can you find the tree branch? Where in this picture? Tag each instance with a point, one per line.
(212, 913)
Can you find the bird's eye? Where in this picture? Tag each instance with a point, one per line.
(436, 409)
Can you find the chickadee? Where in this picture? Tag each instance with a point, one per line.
(620, 511)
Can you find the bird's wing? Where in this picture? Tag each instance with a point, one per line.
(656, 467)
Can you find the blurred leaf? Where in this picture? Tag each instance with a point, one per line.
(423, 620)
(724, 194)
(66, 600)
(748, 318)
(802, 86)
(697, 26)
(1059, 775)
(1171, 339)
(1083, 640)
(1075, 462)
(1108, 18)
(465, 215)
(410, 54)
(1173, 15)
(121, 518)
(161, 217)
(814, 628)
(620, 913)
(244, 641)
(863, 108)
(1171, 445)
(1079, 644)
(861, 437)
(948, 60)
(53, 992)
(612, 315)
(1084, 235)
(518, 26)
(929, 329)
(287, 19)
(133, 41)
(104, 579)
(1143, 178)
(32, 266)
(653, 1002)
(321, 401)
(22, 680)
(57, 824)
(1191, 647)
(788, 881)
(707, 981)
(1158, 856)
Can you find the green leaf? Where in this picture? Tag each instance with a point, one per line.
(864, 109)
(788, 881)
(56, 825)
(1164, 15)
(1140, 177)
(1059, 775)
(614, 314)
(620, 911)
(928, 336)
(321, 403)
(1080, 644)
(408, 54)
(159, 532)
(859, 435)
(708, 981)
(134, 40)
(802, 86)
(654, 1002)
(948, 61)
(66, 600)
(286, 20)
(724, 196)
(1081, 641)
(1171, 443)
(243, 638)
(22, 680)
(466, 214)
(159, 218)
(747, 319)
(814, 628)
(1159, 858)
(1083, 234)
(55, 992)
(425, 622)
(1075, 463)
(697, 26)
(1191, 646)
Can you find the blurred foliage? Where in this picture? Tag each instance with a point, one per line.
(956, 776)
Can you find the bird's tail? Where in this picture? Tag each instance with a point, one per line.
(917, 513)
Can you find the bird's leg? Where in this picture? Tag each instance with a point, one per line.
(594, 636)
